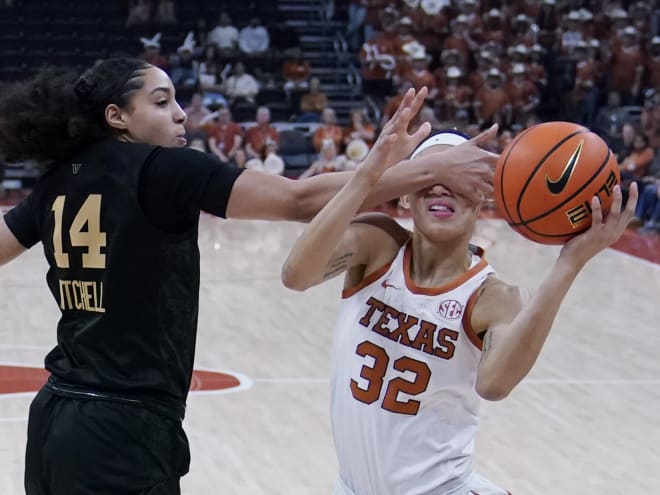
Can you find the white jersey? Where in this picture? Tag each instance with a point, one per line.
(404, 364)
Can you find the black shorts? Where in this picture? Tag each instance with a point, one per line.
(98, 447)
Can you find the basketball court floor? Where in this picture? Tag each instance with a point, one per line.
(585, 421)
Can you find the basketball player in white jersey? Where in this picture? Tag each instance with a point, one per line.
(425, 328)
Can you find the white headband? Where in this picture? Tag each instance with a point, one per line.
(449, 138)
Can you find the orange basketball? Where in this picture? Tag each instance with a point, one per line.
(546, 177)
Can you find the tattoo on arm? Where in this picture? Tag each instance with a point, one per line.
(337, 265)
(488, 342)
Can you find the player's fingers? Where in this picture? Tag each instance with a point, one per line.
(615, 209)
(405, 103)
(418, 101)
(633, 195)
(489, 158)
(485, 137)
(596, 212)
(421, 133)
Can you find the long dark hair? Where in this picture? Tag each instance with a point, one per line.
(56, 112)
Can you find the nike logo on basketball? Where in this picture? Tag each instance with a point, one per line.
(557, 186)
(386, 285)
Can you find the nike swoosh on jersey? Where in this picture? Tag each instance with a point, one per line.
(557, 186)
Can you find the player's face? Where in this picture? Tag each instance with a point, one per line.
(440, 213)
(153, 115)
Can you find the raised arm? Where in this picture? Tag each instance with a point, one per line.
(259, 195)
(328, 246)
(517, 325)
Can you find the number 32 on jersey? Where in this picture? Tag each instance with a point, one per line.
(375, 377)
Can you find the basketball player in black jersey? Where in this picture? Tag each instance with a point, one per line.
(116, 210)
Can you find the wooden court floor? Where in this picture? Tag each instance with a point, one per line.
(586, 420)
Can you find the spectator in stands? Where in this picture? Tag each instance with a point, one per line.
(196, 112)
(650, 120)
(496, 29)
(648, 209)
(432, 24)
(522, 94)
(637, 163)
(652, 72)
(269, 162)
(165, 12)
(225, 138)
(224, 35)
(360, 128)
(151, 52)
(623, 146)
(313, 102)
(253, 39)
(139, 12)
(418, 73)
(184, 70)
(357, 13)
(212, 70)
(584, 96)
(328, 161)
(547, 20)
(378, 57)
(521, 31)
(627, 66)
(607, 122)
(454, 96)
(328, 130)
(536, 70)
(460, 38)
(572, 33)
(296, 71)
(240, 85)
(640, 16)
(256, 136)
(491, 103)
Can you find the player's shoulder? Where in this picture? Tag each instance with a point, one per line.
(496, 291)
(378, 225)
(498, 298)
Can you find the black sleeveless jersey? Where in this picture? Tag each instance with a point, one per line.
(128, 291)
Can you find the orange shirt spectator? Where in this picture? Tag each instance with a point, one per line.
(360, 129)
(627, 63)
(296, 69)
(491, 102)
(637, 163)
(329, 130)
(224, 135)
(314, 101)
(257, 136)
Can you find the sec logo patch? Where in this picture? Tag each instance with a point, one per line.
(450, 309)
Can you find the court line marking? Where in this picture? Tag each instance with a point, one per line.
(245, 382)
(531, 381)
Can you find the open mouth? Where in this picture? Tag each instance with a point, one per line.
(440, 208)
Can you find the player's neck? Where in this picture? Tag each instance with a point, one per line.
(434, 265)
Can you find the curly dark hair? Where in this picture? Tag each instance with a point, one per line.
(56, 112)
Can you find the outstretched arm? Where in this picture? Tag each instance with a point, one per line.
(517, 326)
(263, 196)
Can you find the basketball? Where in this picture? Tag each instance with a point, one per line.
(546, 177)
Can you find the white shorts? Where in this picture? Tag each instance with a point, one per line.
(475, 484)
